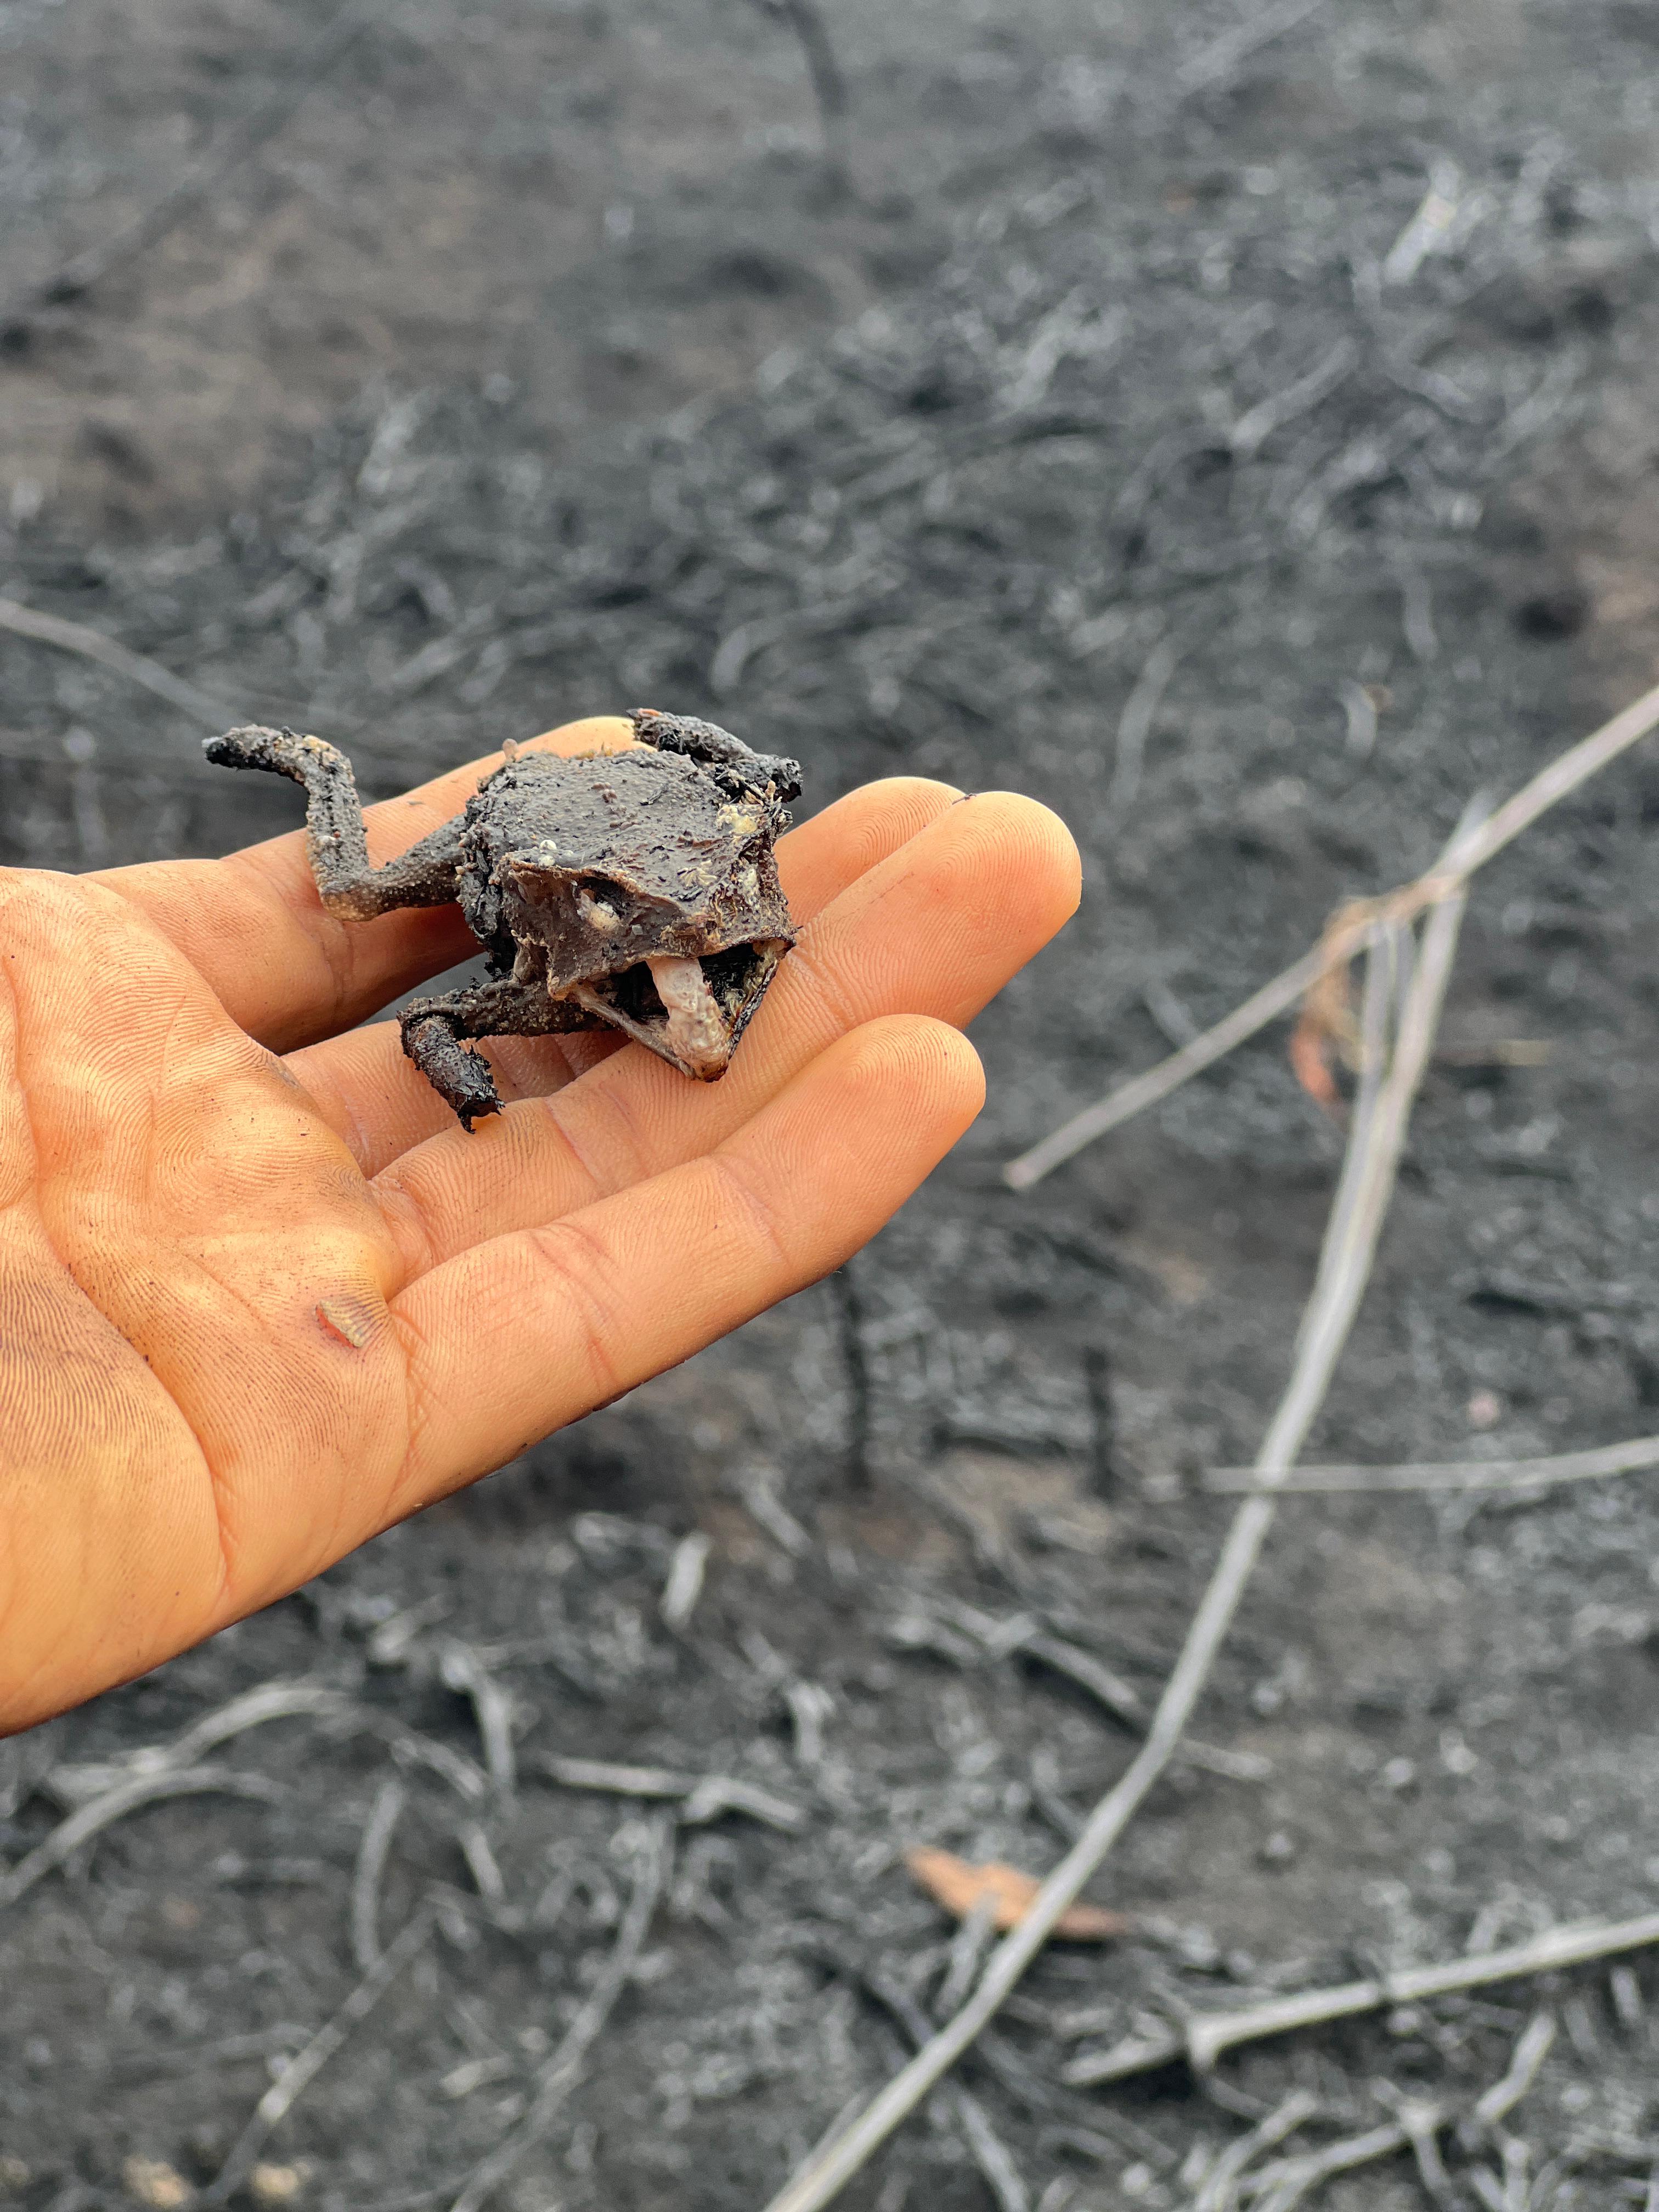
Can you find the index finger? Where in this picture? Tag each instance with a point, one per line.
(283, 969)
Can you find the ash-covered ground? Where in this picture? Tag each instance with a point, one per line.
(1110, 433)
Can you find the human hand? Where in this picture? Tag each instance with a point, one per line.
(260, 1296)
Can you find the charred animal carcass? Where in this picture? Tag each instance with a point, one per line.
(636, 889)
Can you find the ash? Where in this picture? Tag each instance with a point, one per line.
(1238, 440)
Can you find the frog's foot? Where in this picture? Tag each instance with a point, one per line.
(459, 1075)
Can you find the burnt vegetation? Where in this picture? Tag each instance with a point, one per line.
(1230, 424)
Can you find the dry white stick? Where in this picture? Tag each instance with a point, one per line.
(88, 1821)
(1631, 1458)
(1134, 725)
(683, 1586)
(1252, 430)
(461, 1668)
(272, 1701)
(1291, 2179)
(561, 2072)
(988, 2151)
(1141, 1092)
(268, 1701)
(302, 2070)
(1530, 2052)
(1429, 226)
(706, 1796)
(1223, 55)
(1342, 1278)
(1545, 790)
(92, 645)
(1220, 2187)
(1388, 968)
(372, 1852)
(1201, 2041)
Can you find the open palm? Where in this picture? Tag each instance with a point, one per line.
(260, 1296)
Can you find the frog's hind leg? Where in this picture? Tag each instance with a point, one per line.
(715, 748)
(433, 1030)
(336, 846)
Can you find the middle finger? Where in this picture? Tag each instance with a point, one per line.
(936, 930)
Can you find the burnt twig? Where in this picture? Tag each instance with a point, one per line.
(462, 1668)
(1253, 430)
(372, 1853)
(1217, 2192)
(1123, 1702)
(563, 2070)
(1135, 723)
(990, 2154)
(1202, 2040)
(684, 1585)
(829, 84)
(1631, 1458)
(704, 1796)
(1024, 1637)
(1218, 60)
(855, 1361)
(102, 1812)
(279, 1700)
(1286, 2183)
(302, 2071)
(1418, 2128)
(1102, 1424)
(92, 645)
(1431, 227)
(1537, 2038)
(268, 1701)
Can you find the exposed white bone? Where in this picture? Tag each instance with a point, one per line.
(697, 1032)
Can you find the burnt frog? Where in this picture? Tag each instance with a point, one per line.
(636, 889)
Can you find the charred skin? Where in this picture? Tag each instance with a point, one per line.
(635, 890)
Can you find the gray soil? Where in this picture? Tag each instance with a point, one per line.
(540, 365)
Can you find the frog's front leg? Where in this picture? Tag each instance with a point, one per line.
(433, 1030)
